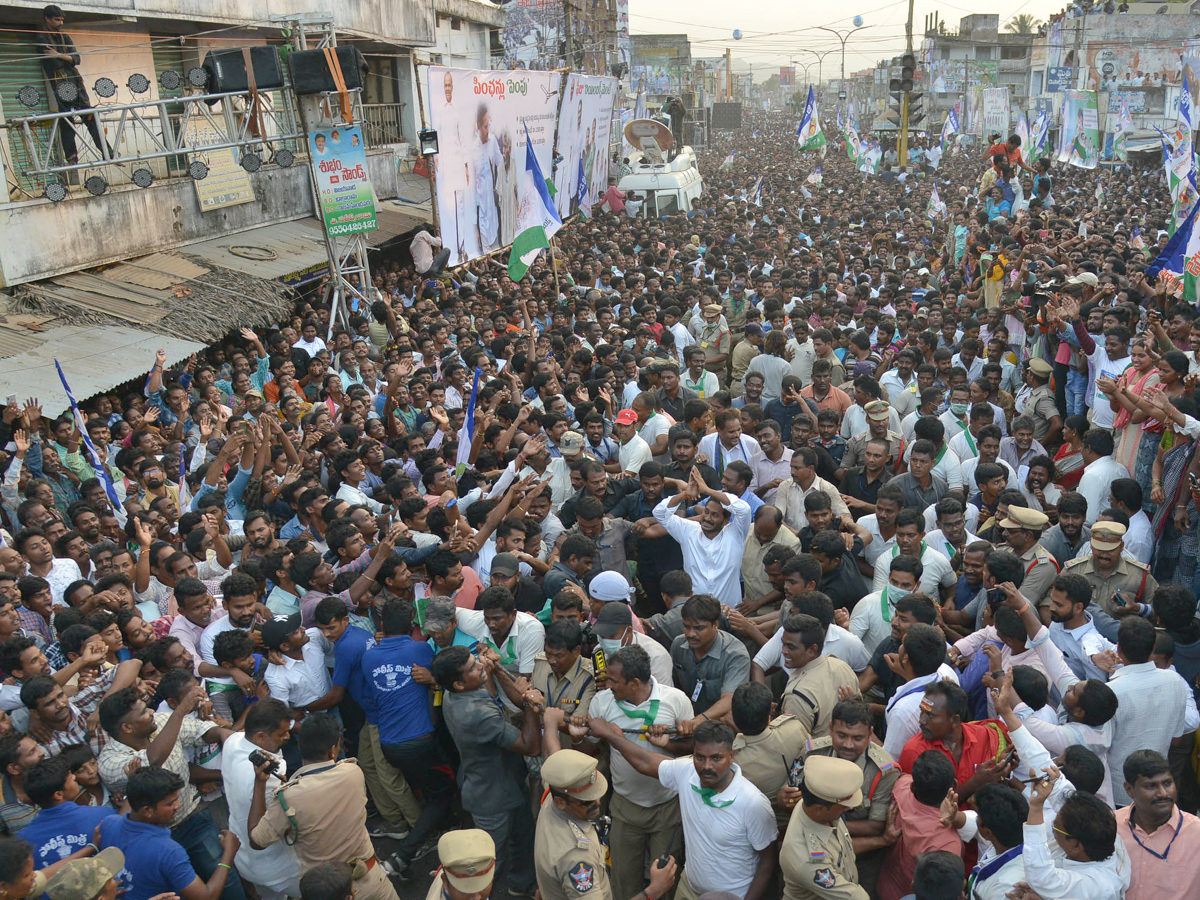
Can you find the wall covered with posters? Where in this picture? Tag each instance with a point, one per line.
(583, 136)
(481, 118)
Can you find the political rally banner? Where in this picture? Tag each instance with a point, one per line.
(1079, 136)
(343, 185)
(586, 119)
(480, 118)
(1040, 137)
(996, 113)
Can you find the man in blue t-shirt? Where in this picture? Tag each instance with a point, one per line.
(406, 725)
(154, 863)
(61, 826)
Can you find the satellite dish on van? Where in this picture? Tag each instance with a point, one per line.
(650, 136)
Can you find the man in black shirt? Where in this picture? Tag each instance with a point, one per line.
(860, 485)
(59, 61)
(840, 578)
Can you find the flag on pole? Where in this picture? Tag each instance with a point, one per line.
(758, 192)
(466, 434)
(937, 208)
(1022, 131)
(92, 454)
(728, 164)
(950, 127)
(537, 219)
(809, 133)
(1181, 257)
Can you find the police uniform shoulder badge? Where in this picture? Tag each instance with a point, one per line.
(824, 878)
(583, 877)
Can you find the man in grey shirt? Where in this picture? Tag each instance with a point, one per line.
(709, 663)
(491, 773)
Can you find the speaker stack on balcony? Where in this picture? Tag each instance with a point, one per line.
(316, 90)
(311, 75)
(226, 70)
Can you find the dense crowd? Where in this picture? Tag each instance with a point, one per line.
(802, 544)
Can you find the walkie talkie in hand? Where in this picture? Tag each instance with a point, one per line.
(666, 857)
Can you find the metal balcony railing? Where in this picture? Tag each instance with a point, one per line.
(384, 123)
(152, 139)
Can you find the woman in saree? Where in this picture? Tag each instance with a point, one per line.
(1123, 393)
(1175, 518)
(1172, 373)
(1068, 461)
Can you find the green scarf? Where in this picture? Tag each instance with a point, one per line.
(647, 716)
(896, 550)
(707, 795)
(508, 655)
(885, 608)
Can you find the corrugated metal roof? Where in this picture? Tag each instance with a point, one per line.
(285, 248)
(94, 359)
(396, 219)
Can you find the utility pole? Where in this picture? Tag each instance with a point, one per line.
(903, 151)
(728, 73)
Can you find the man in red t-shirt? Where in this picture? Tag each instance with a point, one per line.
(971, 746)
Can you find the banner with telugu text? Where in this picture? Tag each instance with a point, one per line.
(339, 161)
(481, 119)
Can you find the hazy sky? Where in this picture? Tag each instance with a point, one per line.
(775, 32)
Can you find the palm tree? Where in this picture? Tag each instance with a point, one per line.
(1023, 24)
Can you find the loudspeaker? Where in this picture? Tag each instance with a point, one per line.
(227, 70)
(311, 75)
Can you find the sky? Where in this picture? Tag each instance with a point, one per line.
(775, 32)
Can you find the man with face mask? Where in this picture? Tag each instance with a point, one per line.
(645, 814)
(614, 630)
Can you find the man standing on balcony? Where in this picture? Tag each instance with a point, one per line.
(59, 59)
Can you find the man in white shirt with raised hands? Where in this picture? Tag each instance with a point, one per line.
(713, 546)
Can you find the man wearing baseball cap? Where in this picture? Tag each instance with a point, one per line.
(568, 854)
(468, 866)
(301, 678)
(817, 853)
(635, 452)
(92, 878)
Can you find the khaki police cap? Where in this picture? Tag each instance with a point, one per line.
(713, 309)
(1021, 517)
(1107, 535)
(468, 858)
(83, 879)
(833, 779)
(1040, 368)
(574, 774)
(877, 410)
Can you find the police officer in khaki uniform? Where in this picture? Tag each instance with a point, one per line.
(1110, 572)
(1022, 530)
(849, 738)
(468, 859)
(878, 412)
(714, 337)
(321, 810)
(568, 854)
(1040, 405)
(817, 854)
(765, 748)
(563, 675)
(812, 690)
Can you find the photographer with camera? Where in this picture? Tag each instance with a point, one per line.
(275, 871)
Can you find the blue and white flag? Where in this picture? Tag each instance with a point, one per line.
(1181, 257)
(1040, 138)
(758, 192)
(466, 434)
(949, 127)
(809, 132)
(93, 455)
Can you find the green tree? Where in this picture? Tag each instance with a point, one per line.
(1023, 24)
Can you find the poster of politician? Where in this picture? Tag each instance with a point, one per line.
(1079, 136)
(480, 118)
(583, 132)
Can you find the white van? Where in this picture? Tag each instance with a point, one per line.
(664, 188)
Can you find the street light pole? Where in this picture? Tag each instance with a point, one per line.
(820, 60)
(843, 37)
